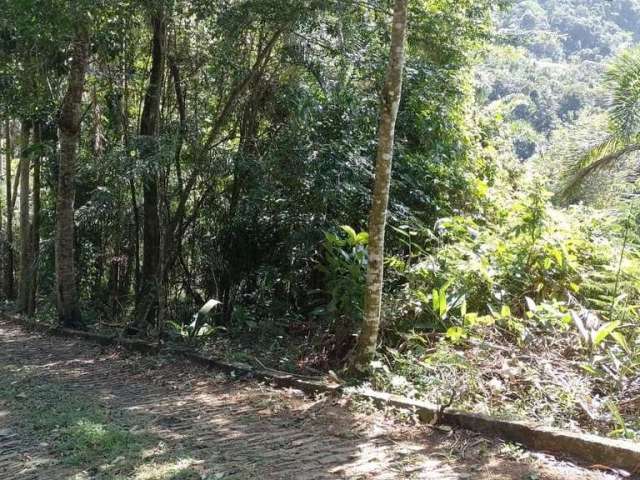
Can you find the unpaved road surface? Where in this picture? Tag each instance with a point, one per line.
(182, 422)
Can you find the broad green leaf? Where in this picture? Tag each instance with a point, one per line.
(435, 298)
(471, 319)
(456, 334)
(333, 239)
(531, 305)
(351, 233)
(442, 307)
(604, 331)
(210, 305)
(362, 238)
(621, 340)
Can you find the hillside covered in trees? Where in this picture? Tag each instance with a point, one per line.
(547, 62)
(437, 198)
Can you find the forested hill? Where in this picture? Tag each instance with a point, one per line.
(547, 62)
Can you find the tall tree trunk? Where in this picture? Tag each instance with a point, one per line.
(26, 247)
(136, 239)
(70, 120)
(147, 305)
(35, 225)
(3, 245)
(391, 95)
(134, 234)
(8, 265)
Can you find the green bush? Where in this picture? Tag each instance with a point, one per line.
(344, 265)
(527, 267)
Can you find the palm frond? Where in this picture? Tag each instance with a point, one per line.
(623, 77)
(623, 137)
(602, 156)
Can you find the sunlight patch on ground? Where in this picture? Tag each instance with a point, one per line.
(184, 469)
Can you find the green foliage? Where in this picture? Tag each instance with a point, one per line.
(520, 254)
(528, 255)
(623, 77)
(551, 54)
(520, 272)
(268, 155)
(266, 143)
(344, 264)
(195, 330)
(611, 149)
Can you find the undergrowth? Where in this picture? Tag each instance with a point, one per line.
(519, 309)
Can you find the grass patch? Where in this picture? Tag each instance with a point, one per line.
(87, 440)
(86, 435)
(79, 430)
(182, 469)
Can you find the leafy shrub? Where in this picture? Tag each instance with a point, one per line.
(344, 266)
(526, 269)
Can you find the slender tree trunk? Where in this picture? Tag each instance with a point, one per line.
(8, 265)
(391, 95)
(136, 239)
(147, 305)
(3, 244)
(26, 247)
(35, 225)
(97, 145)
(134, 250)
(70, 120)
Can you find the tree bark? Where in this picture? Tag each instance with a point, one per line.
(136, 239)
(35, 224)
(26, 260)
(391, 95)
(69, 125)
(8, 265)
(147, 305)
(3, 244)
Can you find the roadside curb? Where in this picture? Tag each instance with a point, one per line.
(591, 449)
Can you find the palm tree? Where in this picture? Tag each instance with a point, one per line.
(623, 135)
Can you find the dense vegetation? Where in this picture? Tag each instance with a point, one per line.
(225, 150)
